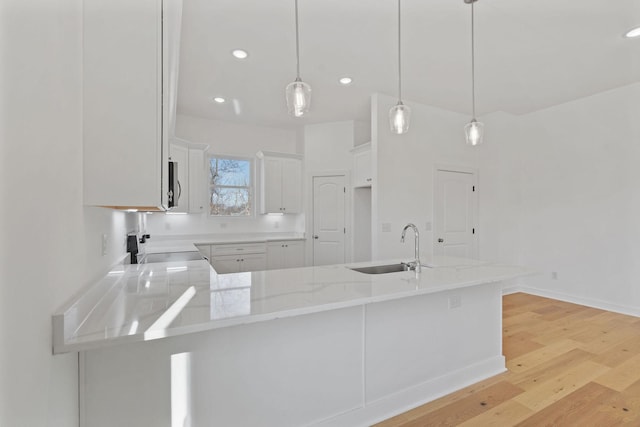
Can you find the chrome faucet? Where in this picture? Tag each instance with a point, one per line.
(415, 264)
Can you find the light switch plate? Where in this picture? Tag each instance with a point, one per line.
(386, 227)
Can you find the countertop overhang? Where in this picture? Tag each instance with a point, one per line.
(142, 302)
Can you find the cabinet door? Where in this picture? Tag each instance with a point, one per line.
(253, 262)
(275, 255)
(291, 186)
(271, 185)
(180, 154)
(124, 133)
(293, 254)
(197, 181)
(362, 169)
(226, 264)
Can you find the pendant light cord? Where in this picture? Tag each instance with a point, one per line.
(473, 64)
(399, 56)
(297, 46)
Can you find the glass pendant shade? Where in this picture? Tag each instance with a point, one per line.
(399, 116)
(298, 98)
(474, 131)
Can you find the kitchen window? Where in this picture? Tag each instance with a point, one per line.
(230, 186)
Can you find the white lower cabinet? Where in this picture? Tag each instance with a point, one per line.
(224, 264)
(237, 258)
(285, 254)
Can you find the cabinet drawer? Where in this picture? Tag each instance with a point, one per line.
(235, 249)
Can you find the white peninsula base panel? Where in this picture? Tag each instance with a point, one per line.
(345, 367)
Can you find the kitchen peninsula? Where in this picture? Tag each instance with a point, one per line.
(303, 346)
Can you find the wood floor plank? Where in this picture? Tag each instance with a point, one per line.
(623, 408)
(560, 386)
(566, 311)
(607, 339)
(553, 368)
(542, 355)
(566, 412)
(622, 376)
(469, 407)
(568, 365)
(619, 353)
(506, 414)
(519, 343)
(554, 333)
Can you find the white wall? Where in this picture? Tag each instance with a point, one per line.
(50, 245)
(580, 199)
(499, 189)
(327, 146)
(405, 164)
(235, 138)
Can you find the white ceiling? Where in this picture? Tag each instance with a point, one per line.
(529, 55)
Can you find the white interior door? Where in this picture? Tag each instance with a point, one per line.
(454, 214)
(329, 220)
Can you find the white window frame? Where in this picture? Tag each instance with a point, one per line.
(251, 187)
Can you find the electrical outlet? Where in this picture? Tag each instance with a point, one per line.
(223, 225)
(386, 227)
(455, 301)
(105, 244)
(554, 275)
(276, 224)
(427, 226)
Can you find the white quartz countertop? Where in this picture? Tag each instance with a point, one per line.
(150, 301)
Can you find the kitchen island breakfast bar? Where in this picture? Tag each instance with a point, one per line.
(176, 344)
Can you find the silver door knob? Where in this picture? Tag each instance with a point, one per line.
(440, 240)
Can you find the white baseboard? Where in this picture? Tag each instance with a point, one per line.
(593, 303)
(413, 397)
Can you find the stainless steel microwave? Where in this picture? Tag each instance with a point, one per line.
(175, 189)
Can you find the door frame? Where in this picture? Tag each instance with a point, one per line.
(348, 220)
(475, 203)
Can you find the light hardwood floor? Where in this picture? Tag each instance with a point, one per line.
(569, 365)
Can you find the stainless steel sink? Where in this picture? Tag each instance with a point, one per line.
(381, 269)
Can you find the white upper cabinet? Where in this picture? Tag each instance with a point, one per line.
(197, 181)
(191, 191)
(280, 182)
(362, 165)
(126, 105)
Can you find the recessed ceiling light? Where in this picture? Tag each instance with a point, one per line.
(633, 33)
(239, 53)
(345, 81)
(219, 100)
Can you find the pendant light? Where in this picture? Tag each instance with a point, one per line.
(399, 114)
(474, 130)
(298, 92)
